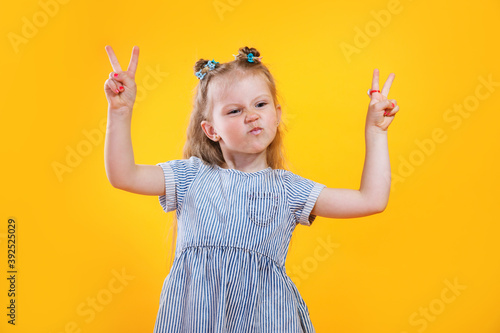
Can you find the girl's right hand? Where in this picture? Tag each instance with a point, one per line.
(120, 88)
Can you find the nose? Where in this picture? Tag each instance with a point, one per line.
(251, 117)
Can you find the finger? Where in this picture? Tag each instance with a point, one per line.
(115, 79)
(375, 79)
(392, 103)
(370, 92)
(112, 58)
(387, 84)
(122, 79)
(390, 113)
(112, 86)
(134, 59)
(382, 105)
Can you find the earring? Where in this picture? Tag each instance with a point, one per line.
(216, 137)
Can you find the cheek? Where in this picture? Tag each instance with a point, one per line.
(228, 127)
(232, 129)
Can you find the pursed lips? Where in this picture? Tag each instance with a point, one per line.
(256, 130)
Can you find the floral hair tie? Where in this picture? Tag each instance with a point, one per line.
(250, 57)
(211, 65)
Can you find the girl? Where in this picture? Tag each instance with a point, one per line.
(236, 207)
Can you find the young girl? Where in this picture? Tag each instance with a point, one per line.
(236, 207)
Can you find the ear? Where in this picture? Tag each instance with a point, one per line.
(209, 131)
(278, 113)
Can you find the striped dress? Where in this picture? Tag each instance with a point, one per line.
(233, 233)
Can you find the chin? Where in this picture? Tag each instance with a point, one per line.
(256, 150)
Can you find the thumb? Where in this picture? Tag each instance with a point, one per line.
(382, 105)
(124, 78)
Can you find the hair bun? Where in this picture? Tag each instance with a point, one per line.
(243, 53)
(200, 65)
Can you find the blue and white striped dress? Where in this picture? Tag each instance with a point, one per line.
(234, 229)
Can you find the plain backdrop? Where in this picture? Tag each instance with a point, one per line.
(92, 258)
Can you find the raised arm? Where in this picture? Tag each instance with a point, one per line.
(373, 194)
(119, 162)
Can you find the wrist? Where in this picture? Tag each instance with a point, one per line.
(375, 130)
(123, 112)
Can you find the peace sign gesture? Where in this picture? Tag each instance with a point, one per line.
(120, 88)
(381, 110)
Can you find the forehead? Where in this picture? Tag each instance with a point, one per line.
(237, 89)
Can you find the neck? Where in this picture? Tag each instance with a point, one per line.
(246, 163)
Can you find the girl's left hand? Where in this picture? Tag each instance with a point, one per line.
(381, 110)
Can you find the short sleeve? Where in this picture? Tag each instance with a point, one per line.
(178, 175)
(302, 194)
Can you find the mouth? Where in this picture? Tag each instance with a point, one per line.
(256, 130)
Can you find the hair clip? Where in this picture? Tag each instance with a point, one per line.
(250, 57)
(199, 75)
(211, 65)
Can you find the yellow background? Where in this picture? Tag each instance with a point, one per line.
(76, 232)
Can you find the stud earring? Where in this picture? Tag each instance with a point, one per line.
(216, 137)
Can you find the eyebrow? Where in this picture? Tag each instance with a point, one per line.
(260, 96)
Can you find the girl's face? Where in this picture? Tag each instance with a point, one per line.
(244, 117)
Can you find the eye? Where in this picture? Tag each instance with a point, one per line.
(262, 103)
(233, 111)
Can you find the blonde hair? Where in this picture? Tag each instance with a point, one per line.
(197, 143)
